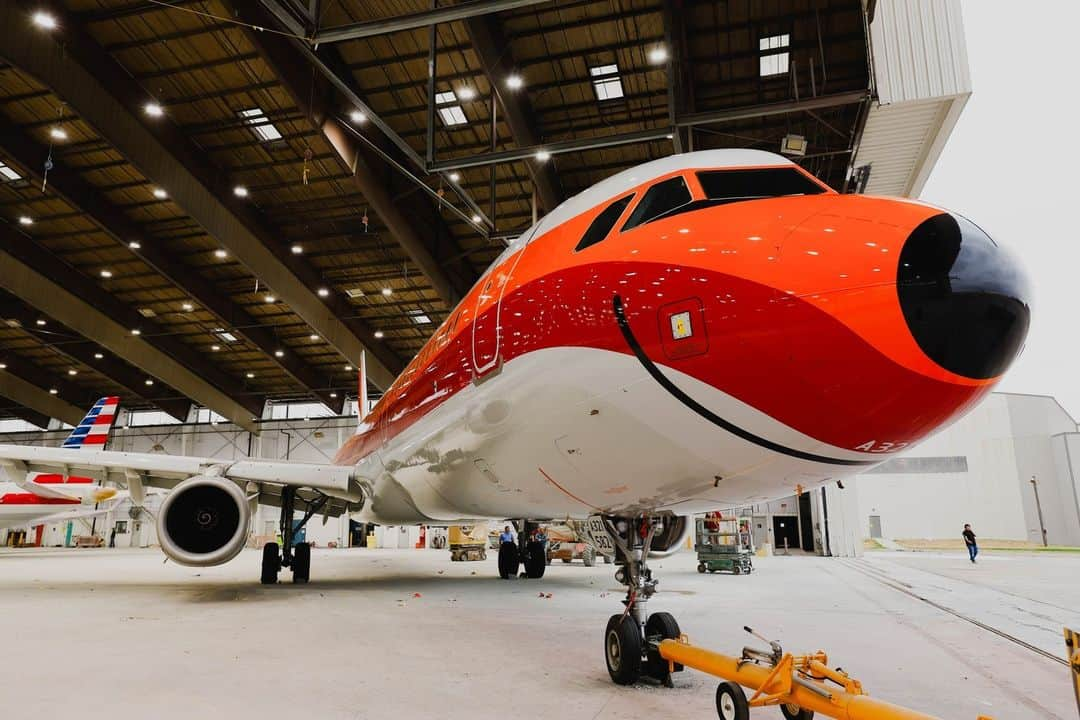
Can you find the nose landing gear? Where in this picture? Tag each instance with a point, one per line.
(632, 637)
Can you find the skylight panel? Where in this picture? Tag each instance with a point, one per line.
(606, 82)
(262, 127)
(450, 112)
(419, 317)
(8, 174)
(771, 62)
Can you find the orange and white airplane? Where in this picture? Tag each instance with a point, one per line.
(707, 330)
(55, 497)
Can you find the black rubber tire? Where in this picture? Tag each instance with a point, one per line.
(271, 563)
(731, 702)
(301, 564)
(508, 560)
(660, 626)
(701, 568)
(794, 712)
(565, 560)
(589, 557)
(535, 561)
(622, 649)
(608, 559)
(738, 570)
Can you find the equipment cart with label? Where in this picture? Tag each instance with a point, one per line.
(721, 544)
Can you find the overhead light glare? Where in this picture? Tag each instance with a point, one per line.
(297, 249)
(543, 155)
(136, 331)
(40, 322)
(73, 372)
(149, 382)
(279, 353)
(53, 391)
(455, 177)
(515, 82)
(58, 133)
(221, 254)
(270, 299)
(160, 194)
(187, 307)
(466, 93)
(153, 109)
(658, 55)
(215, 348)
(348, 368)
(98, 356)
(106, 274)
(387, 291)
(313, 337)
(476, 218)
(379, 334)
(44, 20)
(358, 117)
(323, 292)
(240, 191)
(26, 220)
(250, 375)
(135, 245)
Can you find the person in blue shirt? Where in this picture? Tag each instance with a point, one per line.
(506, 536)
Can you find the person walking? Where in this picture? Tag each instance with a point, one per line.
(969, 540)
(506, 536)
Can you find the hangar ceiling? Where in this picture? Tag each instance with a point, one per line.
(225, 202)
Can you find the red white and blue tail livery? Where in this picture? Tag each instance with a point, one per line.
(94, 429)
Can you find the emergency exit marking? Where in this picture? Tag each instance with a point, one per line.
(680, 325)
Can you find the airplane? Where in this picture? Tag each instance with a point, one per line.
(706, 330)
(54, 497)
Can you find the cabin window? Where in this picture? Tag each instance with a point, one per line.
(659, 200)
(601, 226)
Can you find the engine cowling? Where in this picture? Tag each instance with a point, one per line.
(669, 539)
(204, 521)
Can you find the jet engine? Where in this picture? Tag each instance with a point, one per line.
(670, 538)
(204, 521)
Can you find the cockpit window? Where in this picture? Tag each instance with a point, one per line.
(737, 185)
(601, 226)
(659, 200)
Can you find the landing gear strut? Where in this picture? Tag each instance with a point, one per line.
(632, 636)
(298, 557)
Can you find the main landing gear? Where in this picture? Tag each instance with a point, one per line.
(528, 553)
(297, 557)
(632, 636)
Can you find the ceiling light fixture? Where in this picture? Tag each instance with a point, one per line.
(188, 307)
(250, 375)
(73, 372)
(387, 291)
(106, 274)
(543, 155)
(270, 299)
(348, 368)
(44, 20)
(221, 254)
(26, 220)
(240, 191)
(279, 353)
(313, 337)
(466, 93)
(135, 245)
(658, 55)
(323, 292)
(149, 382)
(297, 249)
(153, 109)
(3, 366)
(53, 391)
(515, 82)
(476, 218)
(98, 356)
(58, 133)
(215, 348)
(379, 334)
(160, 194)
(40, 323)
(455, 177)
(358, 117)
(136, 331)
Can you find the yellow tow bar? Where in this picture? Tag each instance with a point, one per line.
(795, 682)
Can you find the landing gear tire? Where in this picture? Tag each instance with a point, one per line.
(660, 626)
(622, 649)
(535, 561)
(271, 563)
(508, 560)
(608, 560)
(701, 568)
(794, 712)
(731, 702)
(565, 560)
(589, 558)
(301, 565)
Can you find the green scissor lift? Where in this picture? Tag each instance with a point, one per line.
(723, 549)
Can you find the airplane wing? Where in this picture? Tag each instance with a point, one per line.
(134, 470)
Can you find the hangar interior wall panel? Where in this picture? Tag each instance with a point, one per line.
(1066, 449)
(922, 83)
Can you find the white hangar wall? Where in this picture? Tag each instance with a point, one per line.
(978, 471)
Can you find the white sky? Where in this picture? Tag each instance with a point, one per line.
(1010, 166)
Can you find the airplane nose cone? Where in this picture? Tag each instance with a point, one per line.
(965, 299)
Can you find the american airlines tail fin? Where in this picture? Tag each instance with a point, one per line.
(94, 429)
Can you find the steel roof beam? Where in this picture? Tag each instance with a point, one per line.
(25, 414)
(107, 98)
(354, 156)
(97, 207)
(449, 13)
(38, 401)
(11, 308)
(497, 59)
(63, 293)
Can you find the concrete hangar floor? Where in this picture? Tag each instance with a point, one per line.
(400, 633)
